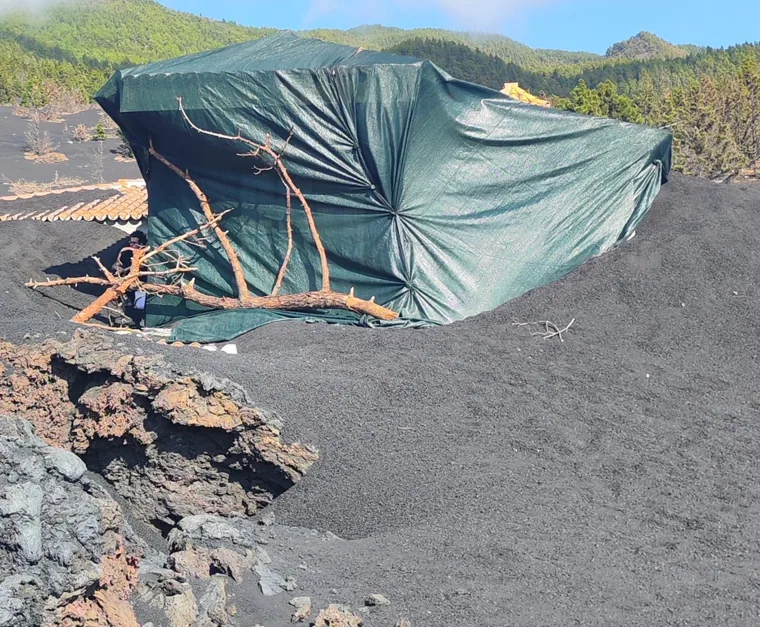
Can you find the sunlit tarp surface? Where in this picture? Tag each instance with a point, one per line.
(441, 198)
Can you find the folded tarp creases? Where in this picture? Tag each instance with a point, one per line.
(441, 198)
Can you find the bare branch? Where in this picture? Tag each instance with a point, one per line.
(550, 329)
(287, 142)
(237, 267)
(185, 236)
(286, 261)
(73, 281)
(559, 332)
(256, 147)
(106, 272)
(304, 300)
(170, 264)
(284, 175)
(167, 272)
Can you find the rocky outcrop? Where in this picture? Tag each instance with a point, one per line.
(64, 556)
(173, 444)
(209, 556)
(189, 453)
(338, 616)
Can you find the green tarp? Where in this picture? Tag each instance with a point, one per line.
(441, 198)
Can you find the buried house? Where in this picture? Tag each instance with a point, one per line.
(439, 198)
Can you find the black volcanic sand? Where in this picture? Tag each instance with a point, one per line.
(481, 476)
(49, 250)
(13, 165)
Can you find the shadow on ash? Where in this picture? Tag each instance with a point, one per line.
(187, 455)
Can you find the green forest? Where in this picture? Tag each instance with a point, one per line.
(710, 98)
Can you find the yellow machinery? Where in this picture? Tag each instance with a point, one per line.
(513, 90)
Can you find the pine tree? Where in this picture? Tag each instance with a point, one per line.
(704, 139)
(625, 109)
(617, 106)
(648, 100)
(585, 100)
(750, 138)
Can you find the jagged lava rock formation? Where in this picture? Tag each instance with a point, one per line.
(172, 444)
(64, 556)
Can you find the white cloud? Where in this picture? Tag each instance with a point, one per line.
(487, 15)
(30, 6)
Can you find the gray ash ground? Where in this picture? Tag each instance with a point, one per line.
(81, 156)
(40, 250)
(482, 476)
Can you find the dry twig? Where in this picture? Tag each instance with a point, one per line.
(550, 329)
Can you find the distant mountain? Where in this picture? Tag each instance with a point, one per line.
(646, 46)
(62, 56)
(76, 44)
(124, 32)
(383, 37)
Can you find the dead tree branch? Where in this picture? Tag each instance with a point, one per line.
(106, 272)
(550, 329)
(172, 266)
(286, 261)
(74, 281)
(276, 163)
(304, 300)
(237, 267)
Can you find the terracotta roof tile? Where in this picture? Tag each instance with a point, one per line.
(66, 215)
(52, 215)
(129, 203)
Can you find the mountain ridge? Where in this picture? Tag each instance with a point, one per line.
(128, 32)
(646, 45)
(709, 97)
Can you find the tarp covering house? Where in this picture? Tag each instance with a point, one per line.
(441, 198)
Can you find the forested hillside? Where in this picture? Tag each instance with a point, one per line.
(458, 60)
(32, 79)
(710, 98)
(509, 50)
(119, 32)
(77, 44)
(124, 32)
(646, 46)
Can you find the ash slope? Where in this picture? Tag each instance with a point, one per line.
(40, 250)
(489, 477)
(484, 477)
(83, 158)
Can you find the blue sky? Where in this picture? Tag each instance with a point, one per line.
(590, 25)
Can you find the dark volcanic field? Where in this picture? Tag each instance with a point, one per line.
(485, 477)
(41, 250)
(81, 156)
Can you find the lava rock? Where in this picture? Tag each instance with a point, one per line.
(338, 616)
(63, 551)
(374, 600)
(173, 444)
(303, 609)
